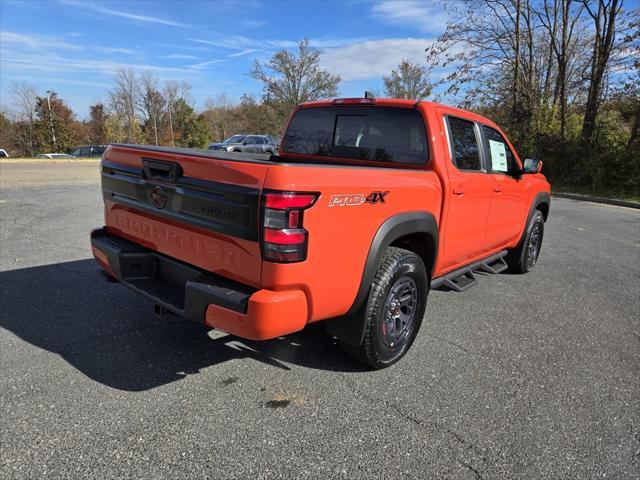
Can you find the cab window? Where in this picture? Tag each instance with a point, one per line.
(500, 158)
(465, 152)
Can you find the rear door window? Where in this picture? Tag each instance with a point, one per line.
(382, 134)
(465, 152)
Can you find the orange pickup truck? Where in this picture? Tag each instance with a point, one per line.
(369, 204)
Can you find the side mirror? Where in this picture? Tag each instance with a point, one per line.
(531, 165)
(246, 142)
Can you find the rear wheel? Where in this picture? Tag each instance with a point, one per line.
(395, 308)
(523, 258)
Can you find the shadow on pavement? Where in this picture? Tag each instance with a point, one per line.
(112, 336)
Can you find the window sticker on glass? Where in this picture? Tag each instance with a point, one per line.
(498, 156)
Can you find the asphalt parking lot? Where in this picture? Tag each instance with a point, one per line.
(534, 376)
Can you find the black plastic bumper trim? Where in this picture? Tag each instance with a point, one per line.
(180, 288)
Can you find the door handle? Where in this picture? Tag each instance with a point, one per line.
(458, 190)
(497, 189)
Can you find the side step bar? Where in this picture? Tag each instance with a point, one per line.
(463, 278)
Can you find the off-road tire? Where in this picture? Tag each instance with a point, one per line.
(524, 257)
(398, 268)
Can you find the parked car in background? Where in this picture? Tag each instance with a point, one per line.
(54, 155)
(89, 151)
(247, 144)
(3, 153)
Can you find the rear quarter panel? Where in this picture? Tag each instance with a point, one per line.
(340, 236)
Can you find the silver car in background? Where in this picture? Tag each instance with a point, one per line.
(247, 143)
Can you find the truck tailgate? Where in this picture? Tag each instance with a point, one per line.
(195, 206)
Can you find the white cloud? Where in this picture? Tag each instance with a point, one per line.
(422, 15)
(244, 52)
(239, 42)
(111, 50)
(50, 62)
(123, 14)
(36, 41)
(373, 58)
(202, 65)
(180, 56)
(64, 81)
(253, 23)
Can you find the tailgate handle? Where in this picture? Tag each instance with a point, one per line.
(163, 171)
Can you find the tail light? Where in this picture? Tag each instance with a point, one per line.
(284, 240)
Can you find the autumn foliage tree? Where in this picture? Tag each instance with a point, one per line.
(96, 126)
(293, 77)
(56, 129)
(408, 80)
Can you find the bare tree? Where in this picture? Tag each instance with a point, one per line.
(604, 15)
(560, 20)
(25, 98)
(220, 113)
(124, 99)
(291, 78)
(152, 103)
(408, 80)
(513, 53)
(174, 91)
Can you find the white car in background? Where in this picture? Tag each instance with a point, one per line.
(3, 153)
(54, 155)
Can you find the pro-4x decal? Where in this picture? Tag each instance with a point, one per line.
(353, 199)
(376, 197)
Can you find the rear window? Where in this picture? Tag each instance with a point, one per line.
(381, 134)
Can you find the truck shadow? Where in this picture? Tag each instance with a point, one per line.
(112, 336)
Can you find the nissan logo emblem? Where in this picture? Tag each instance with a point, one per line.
(158, 197)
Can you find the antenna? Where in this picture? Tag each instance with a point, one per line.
(368, 94)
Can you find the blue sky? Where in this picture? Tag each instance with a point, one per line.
(75, 47)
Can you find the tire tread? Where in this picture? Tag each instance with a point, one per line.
(365, 353)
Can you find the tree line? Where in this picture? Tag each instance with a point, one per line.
(141, 109)
(562, 78)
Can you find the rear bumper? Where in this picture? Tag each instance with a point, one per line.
(199, 295)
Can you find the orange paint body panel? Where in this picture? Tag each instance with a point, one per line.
(269, 315)
(340, 236)
(208, 212)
